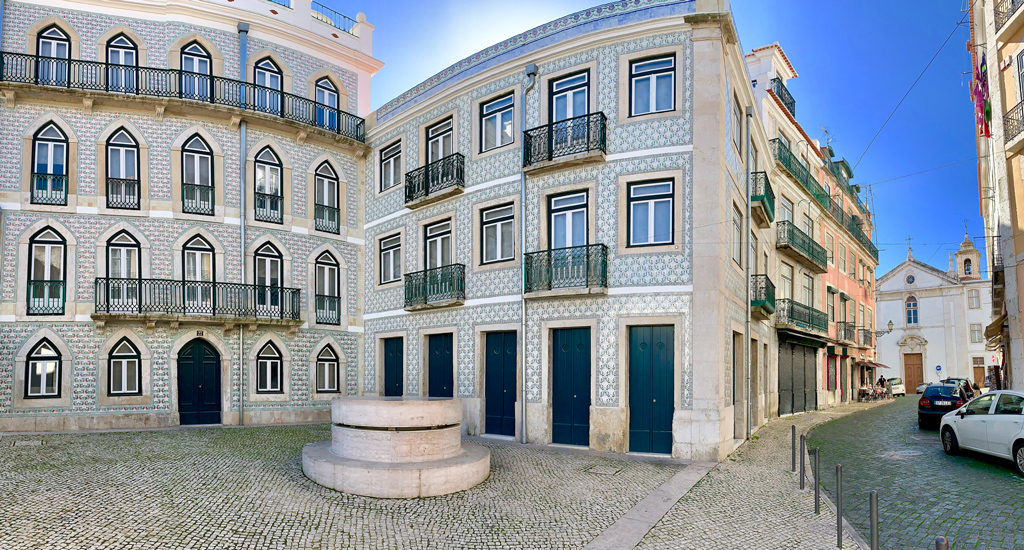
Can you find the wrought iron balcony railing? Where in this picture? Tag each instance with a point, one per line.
(49, 189)
(45, 298)
(846, 331)
(853, 225)
(335, 19)
(866, 337)
(173, 83)
(210, 298)
(123, 193)
(791, 312)
(761, 191)
(268, 208)
(445, 285)
(784, 96)
(800, 173)
(790, 236)
(328, 309)
(762, 292)
(577, 135)
(327, 218)
(563, 268)
(1004, 10)
(197, 199)
(1013, 122)
(436, 177)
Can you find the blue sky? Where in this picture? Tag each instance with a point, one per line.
(854, 63)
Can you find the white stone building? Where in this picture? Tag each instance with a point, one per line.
(939, 318)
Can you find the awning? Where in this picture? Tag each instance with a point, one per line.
(871, 364)
(995, 328)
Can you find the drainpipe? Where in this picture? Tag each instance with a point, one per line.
(243, 51)
(531, 73)
(746, 253)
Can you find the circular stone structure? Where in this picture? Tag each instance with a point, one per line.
(396, 447)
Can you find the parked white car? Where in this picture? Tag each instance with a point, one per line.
(897, 388)
(992, 423)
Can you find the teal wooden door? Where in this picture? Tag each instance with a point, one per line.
(393, 363)
(440, 371)
(651, 376)
(198, 384)
(500, 383)
(570, 386)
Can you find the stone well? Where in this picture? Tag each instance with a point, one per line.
(396, 447)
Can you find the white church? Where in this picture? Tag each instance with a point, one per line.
(938, 319)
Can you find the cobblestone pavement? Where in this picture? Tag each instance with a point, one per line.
(752, 500)
(976, 501)
(226, 488)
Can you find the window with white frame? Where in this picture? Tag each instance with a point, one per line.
(737, 236)
(440, 142)
(842, 258)
(268, 369)
(438, 240)
(269, 199)
(785, 209)
(852, 265)
(830, 246)
(911, 308)
(327, 370)
(973, 299)
(652, 85)
(830, 306)
(390, 259)
(497, 234)
(975, 333)
(47, 273)
(785, 281)
(650, 213)
(125, 369)
(390, 165)
(328, 290)
(808, 298)
(327, 104)
(496, 123)
(122, 60)
(42, 378)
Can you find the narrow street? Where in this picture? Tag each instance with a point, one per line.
(973, 499)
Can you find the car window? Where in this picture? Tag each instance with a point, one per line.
(980, 405)
(1009, 404)
(896, 381)
(943, 391)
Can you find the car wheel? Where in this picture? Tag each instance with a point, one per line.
(1018, 457)
(949, 442)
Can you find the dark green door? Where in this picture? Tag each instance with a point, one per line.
(393, 363)
(198, 384)
(651, 374)
(440, 374)
(570, 391)
(500, 383)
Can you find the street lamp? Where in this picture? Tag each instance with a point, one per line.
(884, 332)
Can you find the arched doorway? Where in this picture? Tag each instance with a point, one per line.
(198, 383)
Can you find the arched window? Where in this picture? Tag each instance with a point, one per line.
(328, 295)
(327, 216)
(125, 369)
(268, 275)
(122, 171)
(327, 104)
(911, 306)
(198, 277)
(47, 273)
(195, 72)
(50, 166)
(267, 77)
(197, 176)
(43, 376)
(124, 265)
(269, 199)
(53, 47)
(122, 63)
(968, 268)
(268, 369)
(327, 370)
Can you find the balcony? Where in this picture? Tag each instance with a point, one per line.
(328, 310)
(197, 199)
(1005, 11)
(794, 315)
(433, 288)
(788, 161)
(438, 180)
(45, 298)
(854, 226)
(762, 199)
(49, 189)
(204, 302)
(801, 247)
(327, 219)
(333, 18)
(268, 208)
(762, 297)
(846, 332)
(569, 142)
(123, 194)
(998, 276)
(1013, 126)
(866, 338)
(573, 271)
(784, 96)
(95, 76)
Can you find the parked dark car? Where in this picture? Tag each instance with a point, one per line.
(937, 400)
(970, 390)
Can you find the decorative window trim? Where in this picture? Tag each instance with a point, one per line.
(313, 79)
(483, 224)
(216, 176)
(343, 281)
(312, 174)
(480, 116)
(678, 235)
(216, 58)
(24, 269)
(251, 252)
(593, 204)
(287, 184)
(478, 252)
(624, 84)
(285, 357)
(73, 37)
(328, 356)
(256, 57)
(653, 75)
(28, 166)
(453, 115)
(476, 123)
(912, 305)
(144, 397)
(380, 165)
(384, 235)
(631, 200)
(21, 370)
(142, 168)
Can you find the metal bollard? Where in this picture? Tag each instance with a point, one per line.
(803, 454)
(839, 505)
(817, 481)
(941, 543)
(792, 437)
(873, 501)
